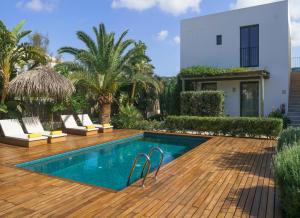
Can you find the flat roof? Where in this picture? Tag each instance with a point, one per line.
(254, 74)
(235, 10)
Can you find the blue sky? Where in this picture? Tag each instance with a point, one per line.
(156, 22)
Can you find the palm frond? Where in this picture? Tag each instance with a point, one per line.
(17, 28)
(88, 41)
(22, 34)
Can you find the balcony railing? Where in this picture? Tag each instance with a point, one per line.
(296, 63)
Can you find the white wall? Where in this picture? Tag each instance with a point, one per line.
(198, 46)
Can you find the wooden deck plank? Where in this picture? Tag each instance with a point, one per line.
(224, 177)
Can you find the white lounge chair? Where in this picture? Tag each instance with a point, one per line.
(33, 125)
(85, 120)
(71, 127)
(14, 134)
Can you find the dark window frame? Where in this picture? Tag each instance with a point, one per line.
(250, 61)
(209, 83)
(241, 89)
(219, 39)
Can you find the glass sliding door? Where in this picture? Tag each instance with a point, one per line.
(249, 99)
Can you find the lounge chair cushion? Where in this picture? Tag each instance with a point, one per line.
(49, 135)
(86, 120)
(70, 123)
(32, 125)
(34, 135)
(57, 132)
(12, 128)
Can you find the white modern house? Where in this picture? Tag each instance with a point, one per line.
(257, 38)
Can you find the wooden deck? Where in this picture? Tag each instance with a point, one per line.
(224, 177)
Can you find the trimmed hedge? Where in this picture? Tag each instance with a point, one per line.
(232, 126)
(287, 176)
(202, 103)
(288, 138)
(209, 71)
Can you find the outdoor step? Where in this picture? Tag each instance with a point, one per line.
(294, 114)
(294, 104)
(295, 98)
(295, 122)
(291, 110)
(294, 119)
(294, 90)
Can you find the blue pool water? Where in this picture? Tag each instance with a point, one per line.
(108, 165)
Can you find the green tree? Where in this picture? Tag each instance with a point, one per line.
(39, 40)
(141, 72)
(14, 54)
(102, 65)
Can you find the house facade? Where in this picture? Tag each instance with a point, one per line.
(257, 38)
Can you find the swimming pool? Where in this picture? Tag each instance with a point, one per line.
(108, 165)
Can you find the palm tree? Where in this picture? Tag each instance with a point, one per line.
(15, 54)
(141, 72)
(101, 66)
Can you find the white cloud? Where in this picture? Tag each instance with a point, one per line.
(176, 39)
(294, 12)
(175, 7)
(37, 5)
(138, 5)
(162, 35)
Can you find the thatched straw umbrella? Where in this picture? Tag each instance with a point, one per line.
(41, 82)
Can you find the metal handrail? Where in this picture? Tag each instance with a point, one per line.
(162, 156)
(139, 156)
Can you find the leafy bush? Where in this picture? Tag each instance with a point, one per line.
(157, 117)
(208, 71)
(127, 118)
(170, 96)
(288, 138)
(130, 118)
(148, 125)
(233, 126)
(287, 175)
(277, 114)
(203, 103)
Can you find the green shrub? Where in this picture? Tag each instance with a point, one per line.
(277, 114)
(209, 71)
(288, 138)
(233, 126)
(203, 103)
(148, 125)
(127, 118)
(287, 176)
(130, 118)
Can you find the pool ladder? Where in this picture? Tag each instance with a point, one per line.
(147, 163)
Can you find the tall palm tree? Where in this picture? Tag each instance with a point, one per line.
(101, 66)
(141, 72)
(14, 54)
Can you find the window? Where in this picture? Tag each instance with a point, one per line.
(219, 39)
(249, 39)
(209, 86)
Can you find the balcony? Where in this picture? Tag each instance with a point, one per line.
(296, 64)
